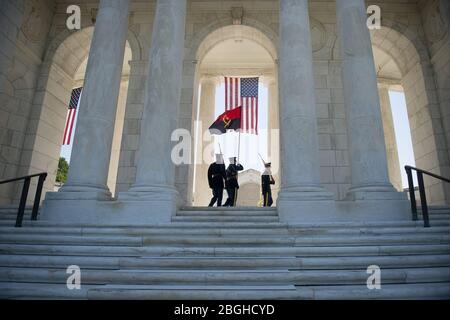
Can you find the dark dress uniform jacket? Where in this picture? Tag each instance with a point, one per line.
(232, 173)
(266, 182)
(216, 175)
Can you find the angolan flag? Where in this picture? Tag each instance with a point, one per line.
(243, 92)
(229, 120)
(71, 115)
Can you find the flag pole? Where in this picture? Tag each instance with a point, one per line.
(239, 146)
(262, 159)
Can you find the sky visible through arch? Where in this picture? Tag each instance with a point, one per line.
(402, 133)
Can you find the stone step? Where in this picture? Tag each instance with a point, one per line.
(244, 252)
(296, 240)
(433, 218)
(232, 251)
(234, 225)
(396, 291)
(226, 277)
(13, 208)
(10, 290)
(72, 240)
(227, 213)
(433, 207)
(222, 263)
(435, 222)
(228, 209)
(37, 230)
(225, 218)
(208, 224)
(13, 216)
(249, 240)
(224, 292)
(144, 231)
(277, 228)
(435, 212)
(217, 213)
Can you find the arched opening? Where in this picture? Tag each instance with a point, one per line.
(240, 52)
(63, 70)
(398, 141)
(403, 68)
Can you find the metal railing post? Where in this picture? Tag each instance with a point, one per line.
(412, 193)
(37, 198)
(23, 202)
(423, 200)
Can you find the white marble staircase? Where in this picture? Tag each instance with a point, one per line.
(226, 254)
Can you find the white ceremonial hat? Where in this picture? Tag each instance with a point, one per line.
(219, 158)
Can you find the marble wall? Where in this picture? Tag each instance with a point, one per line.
(24, 30)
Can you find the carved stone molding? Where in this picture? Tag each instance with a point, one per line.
(237, 13)
(35, 20)
(318, 35)
(435, 24)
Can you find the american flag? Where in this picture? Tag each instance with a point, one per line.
(243, 92)
(71, 115)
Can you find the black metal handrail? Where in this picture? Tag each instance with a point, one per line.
(423, 197)
(23, 197)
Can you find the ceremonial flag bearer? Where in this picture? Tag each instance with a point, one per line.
(266, 181)
(216, 177)
(232, 183)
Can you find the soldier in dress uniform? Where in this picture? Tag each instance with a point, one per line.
(266, 181)
(232, 183)
(216, 177)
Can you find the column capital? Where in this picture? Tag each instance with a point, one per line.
(269, 80)
(390, 86)
(383, 85)
(210, 78)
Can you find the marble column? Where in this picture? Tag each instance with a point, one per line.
(273, 121)
(298, 121)
(370, 179)
(91, 152)
(389, 137)
(273, 125)
(155, 178)
(203, 194)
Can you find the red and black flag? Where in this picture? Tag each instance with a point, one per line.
(230, 120)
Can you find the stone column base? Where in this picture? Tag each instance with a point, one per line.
(132, 208)
(295, 202)
(160, 203)
(375, 193)
(79, 193)
(304, 211)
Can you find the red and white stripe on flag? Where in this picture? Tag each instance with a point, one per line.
(71, 115)
(243, 92)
